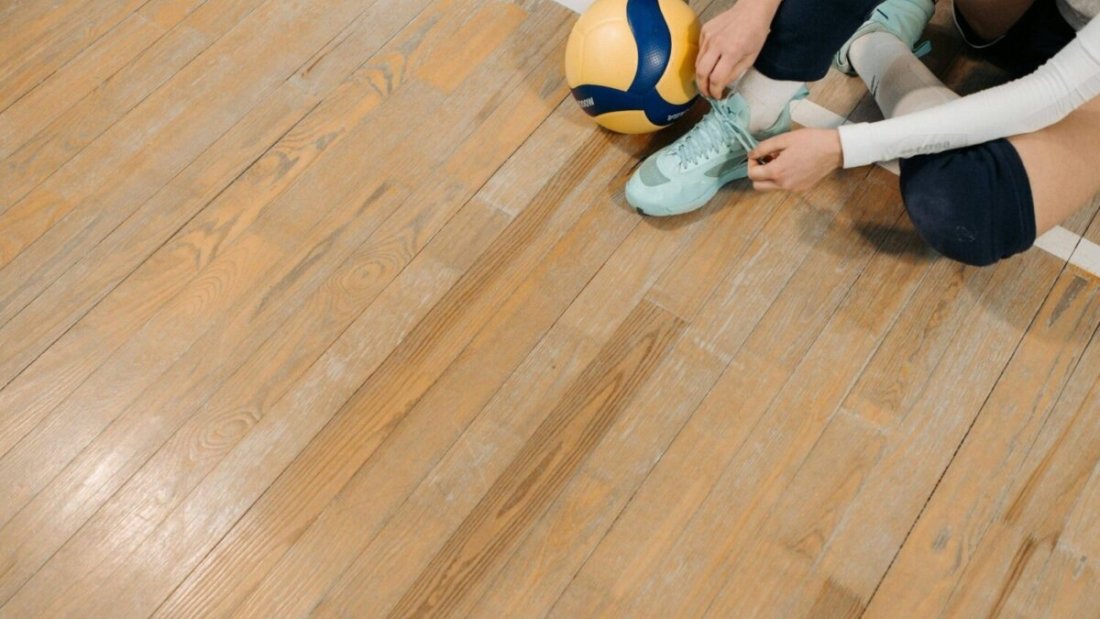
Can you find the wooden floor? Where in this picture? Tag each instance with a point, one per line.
(335, 308)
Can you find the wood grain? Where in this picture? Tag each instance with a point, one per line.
(337, 308)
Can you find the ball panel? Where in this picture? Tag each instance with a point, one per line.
(574, 57)
(652, 39)
(596, 100)
(629, 63)
(677, 84)
(627, 121)
(615, 62)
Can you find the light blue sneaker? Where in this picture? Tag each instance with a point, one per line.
(905, 19)
(686, 174)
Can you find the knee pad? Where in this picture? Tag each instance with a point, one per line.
(972, 205)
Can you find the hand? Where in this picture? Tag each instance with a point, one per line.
(795, 161)
(730, 43)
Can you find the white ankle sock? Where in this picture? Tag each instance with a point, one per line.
(766, 97)
(899, 82)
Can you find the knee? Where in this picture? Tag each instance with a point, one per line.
(948, 215)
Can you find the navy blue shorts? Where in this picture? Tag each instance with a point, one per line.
(806, 33)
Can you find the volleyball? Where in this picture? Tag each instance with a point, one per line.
(631, 63)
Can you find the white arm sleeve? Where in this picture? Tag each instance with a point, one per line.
(1067, 81)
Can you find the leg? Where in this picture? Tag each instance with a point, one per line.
(804, 36)
(899, 82)
(980, 204)
(685, 174)
(989, 19)
(972, 205)
(1016, 35)
(1061, 162)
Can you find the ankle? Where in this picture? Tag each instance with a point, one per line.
(766, 98)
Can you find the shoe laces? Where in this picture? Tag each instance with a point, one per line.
(720, 127)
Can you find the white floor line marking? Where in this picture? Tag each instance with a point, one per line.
(1059, 242)
(1086, 257)
(575, 5)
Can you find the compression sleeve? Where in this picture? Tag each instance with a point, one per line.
(1067, 81)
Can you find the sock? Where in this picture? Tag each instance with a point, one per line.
(899, 82)
(767, 98)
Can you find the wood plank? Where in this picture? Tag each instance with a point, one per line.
(39, 48)
(98, 63)
(300, 143)
(267, 179)
(544, 563)
(964, 507)
(134, 158)
(390, 473)
(410, 222)
(42, 152)
(1071, 581)
(126, 444)
(757, 292)
(567, 436)
(388, 393)
(354, 349)
(1019, 542)
(475, 377)
(36, 109)
(817, 537)
(28, 19)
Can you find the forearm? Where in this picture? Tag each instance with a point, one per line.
(1025, 105)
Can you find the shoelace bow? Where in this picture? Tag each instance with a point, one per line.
(713, 132)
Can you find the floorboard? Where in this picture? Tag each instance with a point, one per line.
(337, 309)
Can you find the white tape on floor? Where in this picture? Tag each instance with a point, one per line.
(1060, 242)
(575, 5)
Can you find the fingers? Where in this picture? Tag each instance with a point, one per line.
(704, 66)
(771, 147)
(761, 172)
(721, 76)
(765, 176)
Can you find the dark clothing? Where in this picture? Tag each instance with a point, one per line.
(972, 204)
(805, 35)
(1038, 35)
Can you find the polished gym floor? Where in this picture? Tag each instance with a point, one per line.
(335, 308)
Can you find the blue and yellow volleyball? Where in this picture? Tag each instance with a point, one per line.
(631, 63)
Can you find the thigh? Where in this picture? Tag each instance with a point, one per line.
(806, 33)
(991, 19)
(1062, 163)
(1016, 35)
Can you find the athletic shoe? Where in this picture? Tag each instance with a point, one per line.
(686, 174)
(905, 19)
